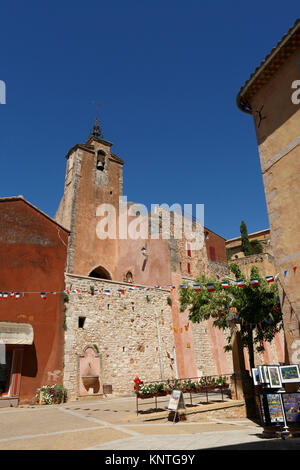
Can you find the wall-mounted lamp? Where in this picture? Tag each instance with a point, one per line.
(144, 251)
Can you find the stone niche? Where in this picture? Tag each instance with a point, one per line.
(90, 382)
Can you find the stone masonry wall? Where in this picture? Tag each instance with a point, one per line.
(131, 332)
(263, 261)
(203, 349)
(209, 351)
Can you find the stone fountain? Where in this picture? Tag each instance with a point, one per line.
(89, 370)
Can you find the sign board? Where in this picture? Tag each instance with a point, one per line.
(176, 401)
(15, 333)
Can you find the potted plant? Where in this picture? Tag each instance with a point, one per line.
(51, 394)
(188, 386)
(160, 389)
(207, 383)
(172, 385)
(146, 391)
(222, 382)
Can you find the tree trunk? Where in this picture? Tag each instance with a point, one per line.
(250, 347)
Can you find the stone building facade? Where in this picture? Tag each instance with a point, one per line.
(133, 326)
(234, 245)
(271, 96)
(263, 260)
(129, 330)
(215, 246)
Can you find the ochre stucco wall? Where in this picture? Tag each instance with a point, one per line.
(215, 241)
(278, 138)
(32, 258)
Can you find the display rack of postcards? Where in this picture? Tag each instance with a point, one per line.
(277, 407)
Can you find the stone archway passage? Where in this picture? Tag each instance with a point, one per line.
(100, 273)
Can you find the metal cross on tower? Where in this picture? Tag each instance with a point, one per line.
(96, 131)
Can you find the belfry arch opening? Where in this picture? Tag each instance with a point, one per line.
(100, 273)
(101, 160)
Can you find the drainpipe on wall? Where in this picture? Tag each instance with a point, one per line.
(162, 370)
(175, 362)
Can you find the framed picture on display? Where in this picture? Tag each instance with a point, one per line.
(289, 373)
(291, 404)
(255, 376)
(266, 374)
(263, 374)
(274, 377)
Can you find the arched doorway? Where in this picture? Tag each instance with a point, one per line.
(100, 273)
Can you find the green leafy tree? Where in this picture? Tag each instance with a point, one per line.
(246, 245)
(256, 309)
(257, 246)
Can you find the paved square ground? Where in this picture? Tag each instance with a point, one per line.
(112, 424)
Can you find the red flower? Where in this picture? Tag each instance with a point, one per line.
(137, 381)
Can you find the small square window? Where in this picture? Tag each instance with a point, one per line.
(81, 322)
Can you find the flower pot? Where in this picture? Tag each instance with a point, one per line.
(207, 388)
(160, 394)
(223, 387)
(147, 395)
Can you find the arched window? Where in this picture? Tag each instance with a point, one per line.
(100, 160)
(129, 277)
(100, 273)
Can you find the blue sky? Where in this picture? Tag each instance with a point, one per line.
(166, 74)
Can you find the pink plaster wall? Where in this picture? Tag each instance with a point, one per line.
(151, 270)
(217, 340)
(185, 356)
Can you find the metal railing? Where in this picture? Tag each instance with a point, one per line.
(178, 384)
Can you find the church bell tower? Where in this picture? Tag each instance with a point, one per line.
(94, 176)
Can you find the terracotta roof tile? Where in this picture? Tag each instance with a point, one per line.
(269, 66)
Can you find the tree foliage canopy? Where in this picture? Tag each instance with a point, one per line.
(255, 308)
(246, 245)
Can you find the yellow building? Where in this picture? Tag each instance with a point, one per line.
(262, 256)
(271, 96)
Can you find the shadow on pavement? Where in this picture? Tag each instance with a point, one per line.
(151, 410)
(265, 444)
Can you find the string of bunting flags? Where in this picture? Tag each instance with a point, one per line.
(179, 330)
(107, 292)
(210, 286)
(233, 315)
(231, 312)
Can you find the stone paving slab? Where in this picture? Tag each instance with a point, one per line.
(183, 429)
(28, 422)
(112, 424)
(123, 410)
(187, 441)
(68, 440)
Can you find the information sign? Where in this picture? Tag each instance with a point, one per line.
(176, 400)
